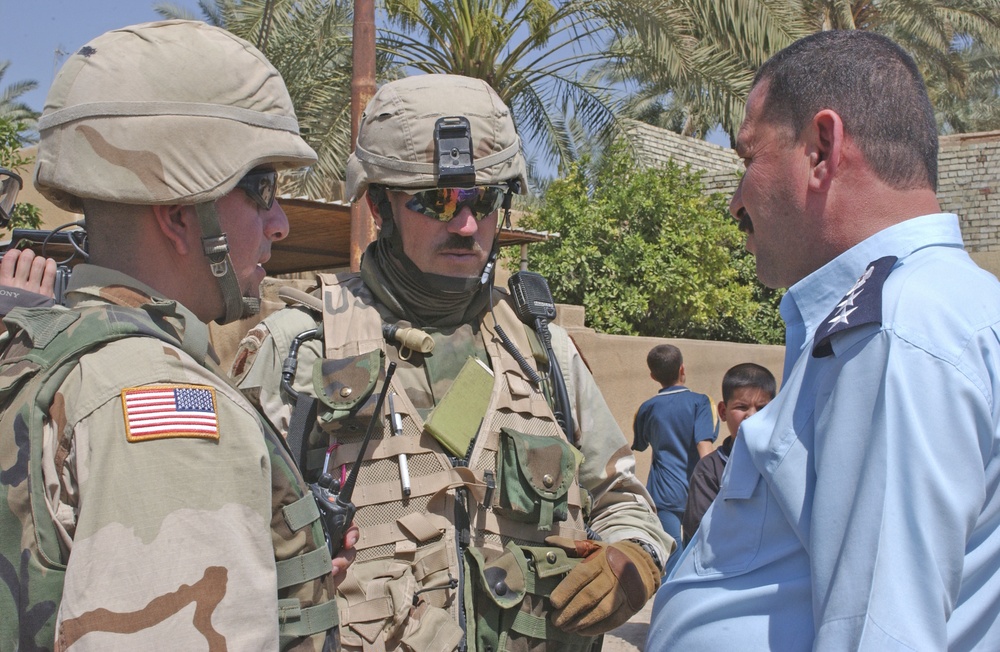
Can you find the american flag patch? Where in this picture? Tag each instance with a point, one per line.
(164, 411)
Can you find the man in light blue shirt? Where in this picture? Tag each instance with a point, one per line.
(859, 509)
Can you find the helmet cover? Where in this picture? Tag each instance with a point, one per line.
(169, 112)
(396, 145)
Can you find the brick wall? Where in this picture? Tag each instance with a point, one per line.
(969, 184)
(719, 164)
(968, 175)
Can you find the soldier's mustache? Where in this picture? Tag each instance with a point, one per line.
(457, 242)
(745, 223)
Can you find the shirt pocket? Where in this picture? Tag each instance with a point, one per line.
(732, 529)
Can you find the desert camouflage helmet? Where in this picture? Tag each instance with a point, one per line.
(396, 145)
(171, 112)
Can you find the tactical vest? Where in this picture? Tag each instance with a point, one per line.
(465, 550)
(43, 348)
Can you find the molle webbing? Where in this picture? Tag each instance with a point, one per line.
(403, 590)
(353, 326)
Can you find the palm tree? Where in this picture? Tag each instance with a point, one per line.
(733, 38)
(11, 108)
(309, 42)
(564, 66)
(956, 44)
(534, 53)
(977, 108)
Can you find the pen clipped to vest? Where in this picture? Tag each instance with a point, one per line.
(335, 507)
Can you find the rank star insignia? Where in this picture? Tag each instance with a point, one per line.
(849, 299)
(861, 305)
(841, 316)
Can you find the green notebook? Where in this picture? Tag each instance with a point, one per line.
(455, 421)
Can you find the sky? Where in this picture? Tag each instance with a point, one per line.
(39, 34)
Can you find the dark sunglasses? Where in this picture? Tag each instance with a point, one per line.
(260, 186)
(444, 203)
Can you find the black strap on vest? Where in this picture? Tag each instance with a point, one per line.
(304, 413)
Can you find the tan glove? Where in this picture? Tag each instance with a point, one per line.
(612, 583)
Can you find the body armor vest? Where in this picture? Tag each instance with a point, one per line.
(465, 550)
(44, 347)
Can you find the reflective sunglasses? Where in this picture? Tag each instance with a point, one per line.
(260, 186)
(444, 203)
(10, 185)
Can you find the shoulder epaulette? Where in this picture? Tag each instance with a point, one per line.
(861, 305)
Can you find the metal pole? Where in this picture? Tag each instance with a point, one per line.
(362, 89)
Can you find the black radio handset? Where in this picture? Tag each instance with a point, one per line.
(535, 307)
(336, 509)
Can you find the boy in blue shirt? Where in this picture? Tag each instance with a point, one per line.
(677, 423)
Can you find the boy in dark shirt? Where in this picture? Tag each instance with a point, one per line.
(746, 388)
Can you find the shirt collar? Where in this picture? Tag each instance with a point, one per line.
(91, 284)
(810, 300)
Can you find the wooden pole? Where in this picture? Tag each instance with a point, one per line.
(362, 89)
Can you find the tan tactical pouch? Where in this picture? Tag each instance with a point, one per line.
(402, 603)
(507, 600)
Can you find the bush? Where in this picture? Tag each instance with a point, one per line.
(26, 216)
(647, 252)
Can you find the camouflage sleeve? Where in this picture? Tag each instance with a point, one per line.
(169, 534)
(259, 359)
(622, 508)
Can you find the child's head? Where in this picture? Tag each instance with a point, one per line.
(666, 365)
(746, 388)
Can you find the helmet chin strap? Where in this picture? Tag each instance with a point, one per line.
(216, 249)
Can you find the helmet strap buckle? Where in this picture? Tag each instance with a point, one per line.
(216, 248)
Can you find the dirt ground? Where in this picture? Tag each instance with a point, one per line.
(631, 636)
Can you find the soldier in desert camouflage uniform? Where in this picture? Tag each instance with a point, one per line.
(468, 555)
(144, 505)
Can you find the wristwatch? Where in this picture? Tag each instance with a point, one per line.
(651, 551)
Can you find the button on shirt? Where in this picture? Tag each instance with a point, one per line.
(859, 509)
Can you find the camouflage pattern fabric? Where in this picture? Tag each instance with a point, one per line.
(407, 556)
(165, 542)
(395, 145)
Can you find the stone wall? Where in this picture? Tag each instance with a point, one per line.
(968, 175)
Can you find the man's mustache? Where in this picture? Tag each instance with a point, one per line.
(456, 242)
(745, 223)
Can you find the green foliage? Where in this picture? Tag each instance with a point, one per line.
(11, 106)
(24, 215)
(647, 252)
(535, 54)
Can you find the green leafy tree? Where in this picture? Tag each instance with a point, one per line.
(24, 215)
(647, 252)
